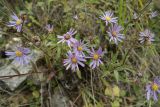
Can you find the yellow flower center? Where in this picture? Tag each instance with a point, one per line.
(154, 87)
(108, 18)
(95, 56)
(114, 33)
(18, 22)
(67, 36)
(79, 48)
(18, 53)
(74, 60)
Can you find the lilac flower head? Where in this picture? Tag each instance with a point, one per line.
(108, 17)
(73, 60)
(152, 90)
(96, 58)
(153, 14)
(146, 37)
(68, 37)
(20, 55)
(114, 33)
(17, 22)
(49, 28)
(79, 47)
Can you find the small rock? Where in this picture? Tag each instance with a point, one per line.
(7, 70)
(59, 99)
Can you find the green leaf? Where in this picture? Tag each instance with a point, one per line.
(34, 20)
(100, 104)
(116, 74)
(123, 93)
(79, 74)
(108, 91)
(116, 91)
(36, 94)
(115, 104)
(40, 4)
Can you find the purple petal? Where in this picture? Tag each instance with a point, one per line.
(68, 66)
(80, 63)
(10, 53)
(26, 51)
(14, 16)
(155, 96)
(99, 51)
(94, 64)
(148, 94)
(26, 59)
(19, 27)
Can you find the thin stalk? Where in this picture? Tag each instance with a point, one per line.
(92, 88)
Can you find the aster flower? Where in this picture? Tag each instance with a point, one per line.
(108, 17)
(153, 14)
(79, 47)
(19, 55)
(96, 58)
(17, 22)
(114, 33)
(146, 37)
(73, 60)
(49, 28)
(68, 37)
(153, 89)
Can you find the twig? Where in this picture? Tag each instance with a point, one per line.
(76, 99)
(26, 105)
(141, 12)
(92, 87)
(6, 91)
(41, 95)
(11, 76)
(50, 95)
